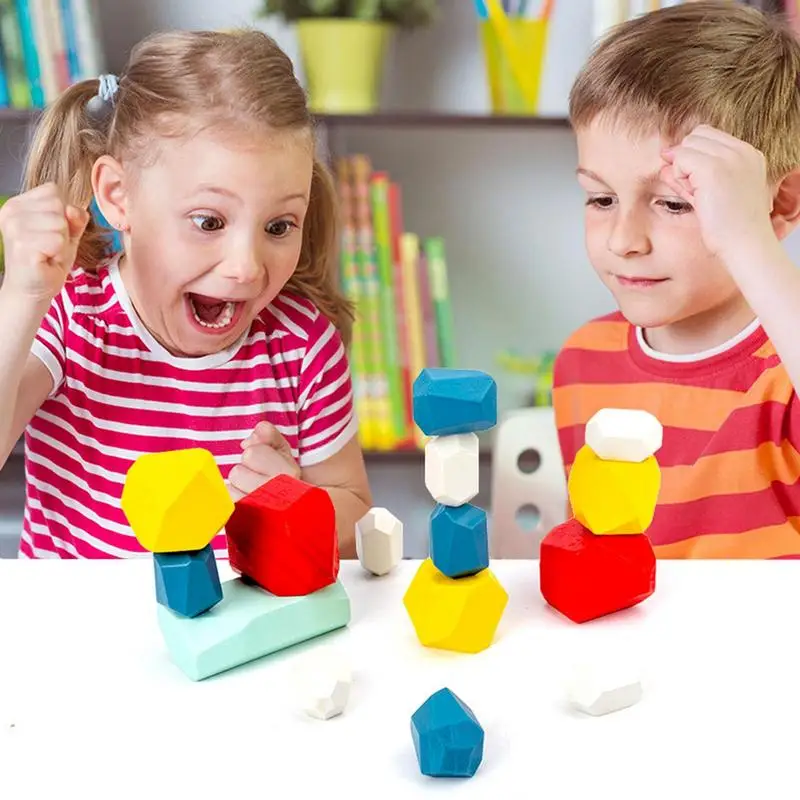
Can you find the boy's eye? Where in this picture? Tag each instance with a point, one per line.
(280, 228)
(676, 206)
(600, 201)
(207, 222)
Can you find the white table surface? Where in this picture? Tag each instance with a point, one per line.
(89, 699)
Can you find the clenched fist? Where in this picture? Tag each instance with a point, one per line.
(40, 241)
(265, 454)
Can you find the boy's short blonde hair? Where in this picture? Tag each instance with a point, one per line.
(713, 62)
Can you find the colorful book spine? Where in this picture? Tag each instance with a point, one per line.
(401, 314)
(70, 39)
(351, 288)
(91, 58)
(429, 327)
(607, 14)
(409, 256)
(47, 64)
(371, 305)
(791, 12)
(30, 53)
(5, 97)
(18, 88)
(56, 48)
(440, 294)
(379, 197)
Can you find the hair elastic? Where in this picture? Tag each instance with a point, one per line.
(101, 105)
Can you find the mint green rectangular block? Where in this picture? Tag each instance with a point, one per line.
(249, 623)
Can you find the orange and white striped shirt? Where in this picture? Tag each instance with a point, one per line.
(729, 461)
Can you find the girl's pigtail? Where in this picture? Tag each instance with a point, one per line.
(68, 139)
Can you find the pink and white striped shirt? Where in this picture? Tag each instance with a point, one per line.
(118, 393)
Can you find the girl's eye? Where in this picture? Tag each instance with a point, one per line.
(600, 201)
(280, 228)
(207, 222)
(675, 206)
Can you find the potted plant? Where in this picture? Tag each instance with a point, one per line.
(343, 44)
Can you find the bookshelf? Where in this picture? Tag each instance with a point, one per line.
(388, 119)
(24, 115)
(434, 120)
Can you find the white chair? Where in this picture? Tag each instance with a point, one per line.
(529, 490)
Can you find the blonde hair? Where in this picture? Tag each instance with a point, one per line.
(175, 82)
(711, 62)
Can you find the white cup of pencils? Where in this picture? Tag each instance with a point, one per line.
(514, 46)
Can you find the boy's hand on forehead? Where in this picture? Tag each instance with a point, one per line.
(265, 454)
(725, 180)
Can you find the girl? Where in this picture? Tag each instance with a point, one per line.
(218, 325)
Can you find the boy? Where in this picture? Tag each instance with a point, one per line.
(688, 130)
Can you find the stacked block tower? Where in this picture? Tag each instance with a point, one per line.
(282, 542)
(454, 601)
(601, 561)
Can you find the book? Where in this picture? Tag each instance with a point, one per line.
(18, 93)
(440, 294)
(397, 281)
(379, 197)
(371, 306)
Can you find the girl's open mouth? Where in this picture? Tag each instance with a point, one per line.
(212, 315)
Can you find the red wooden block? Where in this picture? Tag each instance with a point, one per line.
(585, 576)
(283, 537)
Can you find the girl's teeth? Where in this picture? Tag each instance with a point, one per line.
(223, 320)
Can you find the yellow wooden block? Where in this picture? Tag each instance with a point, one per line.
(613, 497)
(176, 501)
(455, 613)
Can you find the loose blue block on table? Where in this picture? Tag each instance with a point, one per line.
(451, 401)
(459, 540)
(448, 738)
(187, 583)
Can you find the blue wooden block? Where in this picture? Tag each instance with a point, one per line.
(459, 540)
(448, 738)
(187, 583)
(450, 401)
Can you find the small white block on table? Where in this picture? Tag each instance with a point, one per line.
(323, 683)
(624, 434)
(451, 468)
(379, 541)
(603, 688)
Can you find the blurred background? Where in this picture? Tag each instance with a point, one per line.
(445, 125)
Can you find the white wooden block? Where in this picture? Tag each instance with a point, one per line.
(451, 468)
(605, 687)
(379, 541)
(624, 434)
(323, 682)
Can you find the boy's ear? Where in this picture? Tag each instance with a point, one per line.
(786, 204)
(109, 187)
